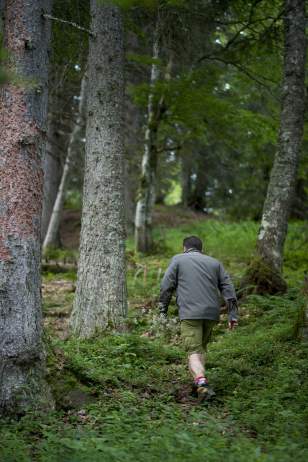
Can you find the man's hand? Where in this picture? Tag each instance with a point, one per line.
(232, 313)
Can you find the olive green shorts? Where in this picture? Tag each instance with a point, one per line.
(196, 334)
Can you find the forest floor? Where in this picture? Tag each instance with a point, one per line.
(125, 396)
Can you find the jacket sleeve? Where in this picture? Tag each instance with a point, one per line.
(167, 287)
(228, 292)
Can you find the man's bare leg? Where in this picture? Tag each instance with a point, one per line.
(196, 365)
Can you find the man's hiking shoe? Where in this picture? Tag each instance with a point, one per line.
(202, 392)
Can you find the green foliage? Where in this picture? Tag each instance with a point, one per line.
(69, 44)
(264, 368)
(142, 59)
(126, 395)
(58, 255)
(128, 4)
(258, 373)
(222, 102)
(73, 199)
(4, 75)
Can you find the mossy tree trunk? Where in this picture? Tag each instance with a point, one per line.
(23, 116)
(280, 193)
(101, 297)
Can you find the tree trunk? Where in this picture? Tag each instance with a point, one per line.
(186, 171)
(146, 193)
(52, 167)
(197, 199)
(60, 114)
(51, 238)
(129, 199)
(147, 187)
(23, 118)
(281, 186)
(101, 297)
(133, 137)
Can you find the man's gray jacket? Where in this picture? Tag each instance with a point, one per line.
(198, 281)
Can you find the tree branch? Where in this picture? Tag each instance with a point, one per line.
(241, 68)
(70, 23)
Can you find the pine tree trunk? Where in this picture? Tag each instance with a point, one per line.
(22, 139)
(51, 238)
(101, 297)
(281, 186)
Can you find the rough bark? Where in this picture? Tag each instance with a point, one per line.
(51, 238)
(23, 117)
(280, 193)
(147, 187)
(101, 298)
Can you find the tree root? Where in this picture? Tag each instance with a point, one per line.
(261, 279)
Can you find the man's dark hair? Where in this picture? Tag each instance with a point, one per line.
(192, 242)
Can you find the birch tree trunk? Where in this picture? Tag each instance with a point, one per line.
(266, 272)
(101, 298)
(51, 237)
(59, 129)
(52, 167)
(186, 172)
(22, 121)
(147, 186)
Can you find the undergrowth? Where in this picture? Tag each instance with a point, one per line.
(125, 396)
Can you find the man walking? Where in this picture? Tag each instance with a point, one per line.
(198, 281)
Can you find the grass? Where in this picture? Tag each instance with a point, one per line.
(126, 397)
